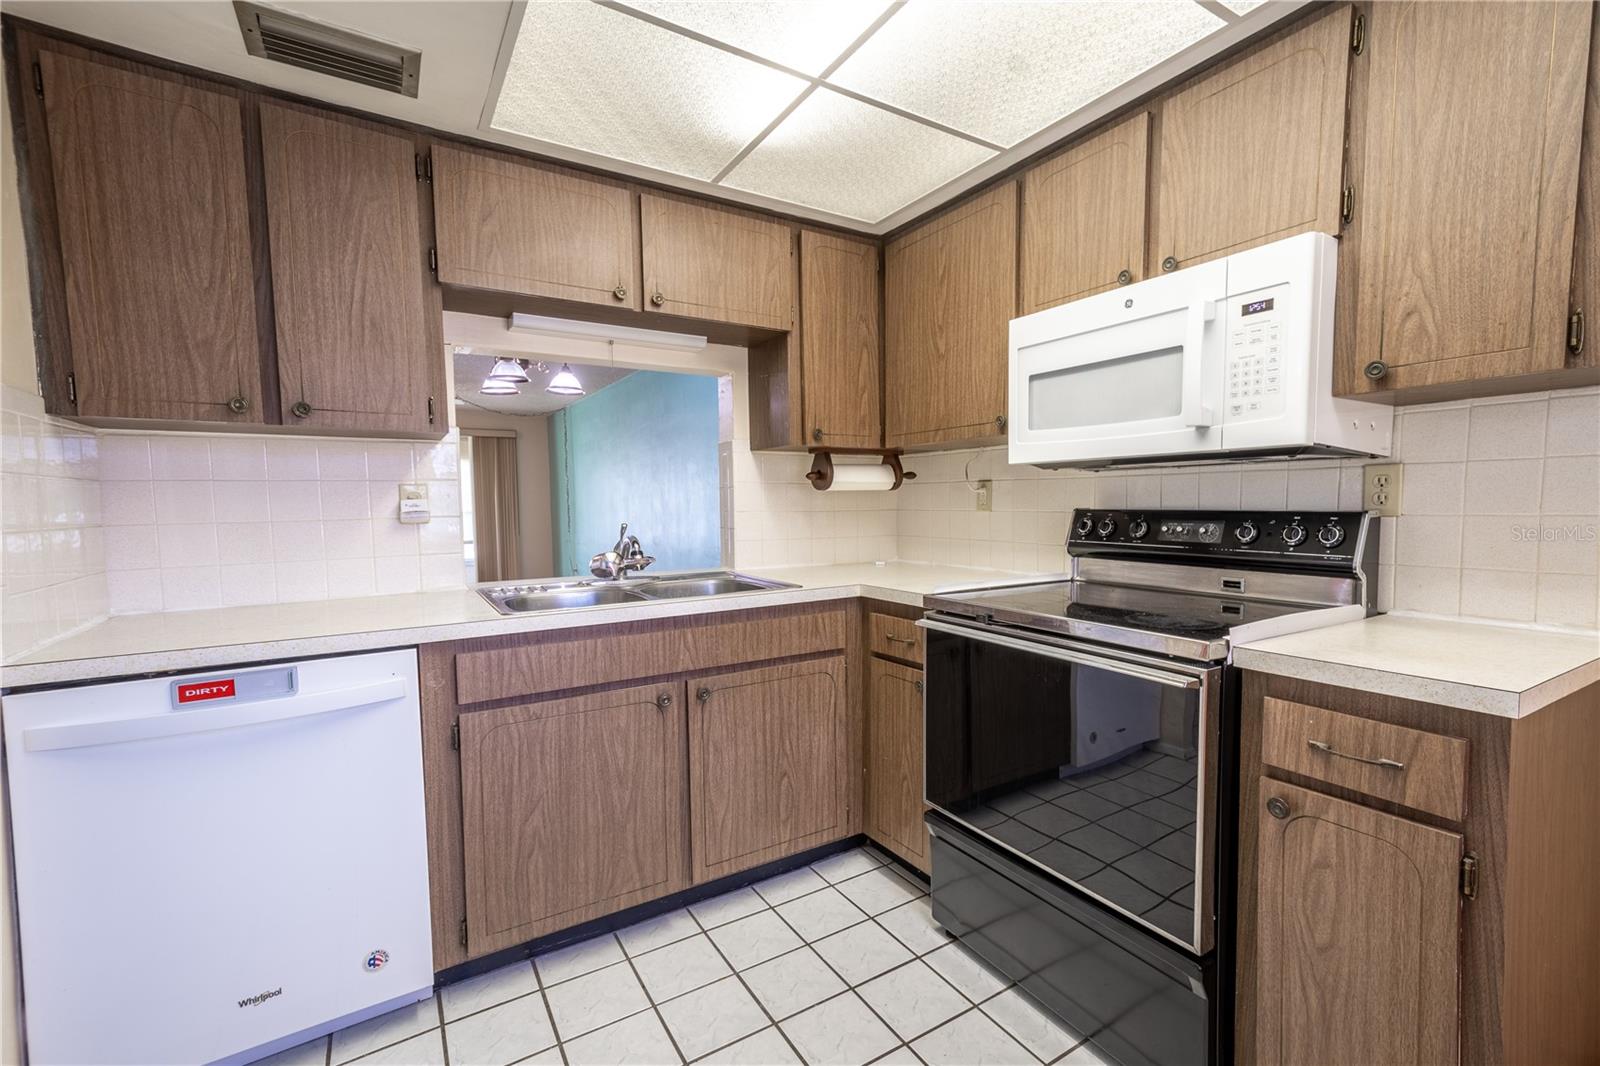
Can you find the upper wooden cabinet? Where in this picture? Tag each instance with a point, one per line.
(894, 760)
(1253, 152)
(514, 227)
(766, 764)
(1585, 298)
(571, 808)
(1465, 193)
(149, 189)
(840, 304)
(358, 318)
(721, 265)
(949, 295)
(1083, 217)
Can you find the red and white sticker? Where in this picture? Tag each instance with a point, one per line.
(221, 688)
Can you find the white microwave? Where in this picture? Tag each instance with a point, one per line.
(1228, 360)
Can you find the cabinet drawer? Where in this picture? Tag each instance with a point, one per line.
(898, 638)
(1423, 771)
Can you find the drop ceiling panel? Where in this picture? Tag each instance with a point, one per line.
(1004, 70)
(839, 155)
(594, 79)
(804, 35)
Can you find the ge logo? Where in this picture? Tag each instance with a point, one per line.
(1127, 303)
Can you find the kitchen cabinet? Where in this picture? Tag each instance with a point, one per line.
(571, 807)
(1083, 217)
(511, 226)
(147, 184)
(766, 764)
(840, 305)
(949, 296)
(1252, 152)
(1340, 979)
(358, 318)
(1463, 259)
(1584, 300)
(894, 788)
(717, 264)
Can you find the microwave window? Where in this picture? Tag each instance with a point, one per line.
(1131, 389)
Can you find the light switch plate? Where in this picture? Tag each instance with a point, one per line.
(414, 503)
(1380, 490)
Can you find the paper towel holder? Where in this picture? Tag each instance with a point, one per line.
(821, 474)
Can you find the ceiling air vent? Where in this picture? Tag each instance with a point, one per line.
(300, 42)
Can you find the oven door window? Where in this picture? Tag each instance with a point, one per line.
(1095, 774)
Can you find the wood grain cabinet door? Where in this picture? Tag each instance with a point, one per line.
(1358, 934)
(839, 309)
(721, 266)
(1253, 152)
(1585, 298)
(894, 760)
(509, 226)
(150, 192)
(571, 809)
(358, 319)
(949, 293)
(766, 764)
(1083, 217)
(1466, 193)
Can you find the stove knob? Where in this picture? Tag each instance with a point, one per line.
(1247, 532)
(1084, 527)
(1294, 534)
(1106, 527)
(1138, 528)
(1331, 535)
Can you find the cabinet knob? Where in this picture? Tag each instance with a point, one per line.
(664, 701)
(620, 292)
(1000, 423)
(656, 299)
(703, 694)
(1376, 370)
(816, 434)
(238, 405)
(1169, 263)
(1124, 276)
(1277, 807)
(301, 409)
(919, 687)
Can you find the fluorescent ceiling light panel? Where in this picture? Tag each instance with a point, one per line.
(591, 78)
(837, 154)
(1005, 70)
(803, 35)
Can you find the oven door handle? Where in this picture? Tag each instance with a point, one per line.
(1146, 673)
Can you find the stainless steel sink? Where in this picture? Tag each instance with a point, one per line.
(556, 594)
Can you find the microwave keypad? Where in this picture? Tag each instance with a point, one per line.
(1255, 364)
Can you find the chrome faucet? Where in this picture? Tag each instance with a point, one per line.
(627, 554)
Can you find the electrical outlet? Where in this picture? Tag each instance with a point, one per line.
(1381, 488)
(985, 495)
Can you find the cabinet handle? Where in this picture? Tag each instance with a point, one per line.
(919, 687)
(816, 434)
(1124, 276)
(1277, 807)
(703, 694)
(1000, 423)
(1376, 370)
(663, 701)
(1169, 263)
(1324, 746)
(238, 405)
(898, 640)
(301, 409)
(620, 292)
(656, 299)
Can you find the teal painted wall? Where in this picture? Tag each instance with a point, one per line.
(641, 451)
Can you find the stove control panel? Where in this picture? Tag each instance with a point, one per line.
(1327, 536)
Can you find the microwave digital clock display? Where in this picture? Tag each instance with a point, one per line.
(1255, 307)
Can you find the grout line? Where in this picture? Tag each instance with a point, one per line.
(655, 1007)
(444, 1044)
(745, 985)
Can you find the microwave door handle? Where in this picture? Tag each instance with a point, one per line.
(1196, 412)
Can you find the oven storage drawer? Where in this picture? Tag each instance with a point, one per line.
(1139, 1001)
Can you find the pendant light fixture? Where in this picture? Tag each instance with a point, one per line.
(498, 387)
(565, 383)
(512, 370)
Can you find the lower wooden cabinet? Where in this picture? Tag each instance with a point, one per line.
(1358, 933)
(894, 787)
(766, 764)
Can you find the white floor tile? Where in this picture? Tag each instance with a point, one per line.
(710, 1017)
(846, 864)
(426, 1049)
(720, 910)
(636, 1041)
(487, 989)
(766, 1048)
(311, 1053)
(879, 890)
(784, 887)
(971, 1040)
(678, 968)
(839, 1032)
(595, 999)
(821, 913)
(790, 983)
(912, 924)
(384, 1030)
(754, 939)
(1082, 1055)
(862, 952)
(961, 968)
(1039, 1031)
(658, 932)
(575, 960)
(500, 1035)
(913, 999)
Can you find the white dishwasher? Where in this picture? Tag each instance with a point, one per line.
(216, 866)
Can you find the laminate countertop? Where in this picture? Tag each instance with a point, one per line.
(125, 645)
(1497, 669)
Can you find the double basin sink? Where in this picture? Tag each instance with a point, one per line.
(556, 595)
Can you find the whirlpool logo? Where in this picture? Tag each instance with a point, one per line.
(259, 998)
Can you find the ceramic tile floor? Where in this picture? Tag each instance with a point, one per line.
(835, 964)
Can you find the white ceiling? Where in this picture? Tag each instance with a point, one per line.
(864, 113)
(471, 368)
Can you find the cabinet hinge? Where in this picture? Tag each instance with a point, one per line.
(455, 735)
(1575, 332)
(433, 261)
(1358, 34)
(463, 932)
(38, 80)
(419, 166)
(1347, 205)
(424, 167)
(72, 389)
(430, 410)
(1469, 876)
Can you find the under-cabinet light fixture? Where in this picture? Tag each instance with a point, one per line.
(521, 323)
